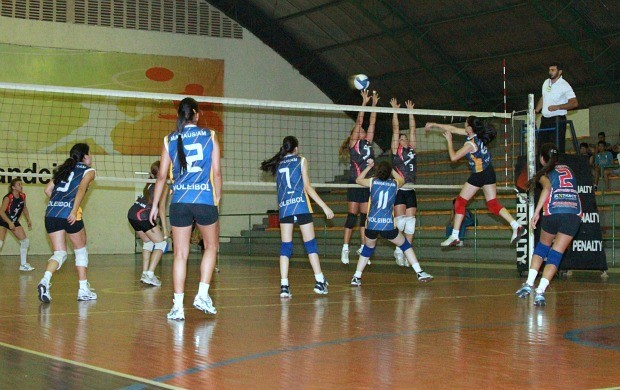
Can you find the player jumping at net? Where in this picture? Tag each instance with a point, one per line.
(63, 217)
(559, 200)
(404, 162)
(154, 241)
(294, 187)
(13, 205)
(193, 155)
(383, 188)
(479, 133)
(358, 147)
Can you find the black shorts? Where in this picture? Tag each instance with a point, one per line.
(358, 194)
(300, 219)
(483, 178)
(53, 224)
(141, 226)
(406, 197)
(185, 214)
(6, 225)
(387, 234)
(561, 223)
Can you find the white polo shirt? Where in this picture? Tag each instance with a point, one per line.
(554, 94)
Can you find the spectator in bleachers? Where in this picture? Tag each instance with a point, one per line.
(603, 162)
(584, 150)
(601, 138)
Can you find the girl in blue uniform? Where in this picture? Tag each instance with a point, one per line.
(63, 217)
(13, 205)
(380, 221)
(404, 162)
(479, 133)
(358, 147)
(192, 154)
(154, 241)
(294, 191)
(561, 206)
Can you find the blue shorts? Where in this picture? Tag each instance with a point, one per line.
(53, 224)
(561, 223)
(480, 179)
(300, 219)
(387, 234)
(185, 214)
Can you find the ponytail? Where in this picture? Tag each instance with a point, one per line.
(549, 153)
(344, 148)
(289, 143)
(76, 155)
(483, 129)
(188, 108)
(383, 170)
(153, 175)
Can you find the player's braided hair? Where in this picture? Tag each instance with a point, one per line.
(289, 143)
(188, 108)
(76, 155)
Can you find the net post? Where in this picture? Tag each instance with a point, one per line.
(531, 169)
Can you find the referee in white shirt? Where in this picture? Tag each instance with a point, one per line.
(557, 98)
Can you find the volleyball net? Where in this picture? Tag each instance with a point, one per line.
(125, 130)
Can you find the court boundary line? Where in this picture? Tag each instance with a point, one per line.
(90, 367)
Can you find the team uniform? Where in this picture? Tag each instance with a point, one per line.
(138, 214)
(293, 202)
(61, 202)
(562, 209)
(193, 194)
(404, 162)
(14, 209)
(380, 220)
(358, 157)
(480, 164)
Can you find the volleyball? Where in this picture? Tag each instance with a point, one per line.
(361, 82)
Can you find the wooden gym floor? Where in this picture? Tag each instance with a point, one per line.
(466, 329)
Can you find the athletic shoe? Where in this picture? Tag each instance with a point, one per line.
(204, 304)
(44, 291)
(524, 291)
(26, 267)
(400, 257)
(450, 241)
(460, 243)
(424, 277)
(176, 313)
(344, 256)
(517, 233)
(153, 281)
(144, 277)
(355, 281)
(285, 292)
(86, 294)
(539, 299)
(321, 288)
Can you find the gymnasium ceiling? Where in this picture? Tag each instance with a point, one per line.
(443, 54)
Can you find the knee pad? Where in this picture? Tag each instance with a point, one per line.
(286, 249)
(363, 219)
(81, 257)
(406, 245)
(60, 257)
(350, 222)
(24, 244)
(311, 246)
(160, 246)
(410, 225)
(148, 246)
(459, 205)
(367, 252)
(494, 206)
(400, 222)
(542, 250)
(554, 257)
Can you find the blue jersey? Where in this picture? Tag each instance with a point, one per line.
(404, 162)
(481, 158)
(564, 197)
(64, 193)
(195, 185)
(381, 207)
(292, 198)
(358, 156)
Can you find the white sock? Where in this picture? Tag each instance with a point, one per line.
(455, 234)
(83, 284)
(514, 224)
(345, 247)
(178, 300)
(358, 274)
(542, 286)
(284, 282)
(150, 274)
(47, 276)
(416, 267)
(319, 277)
(361, 247)
(531, 276)
(203, 290)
